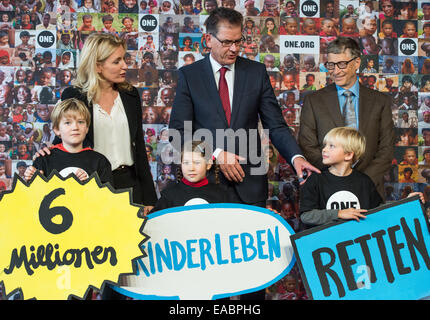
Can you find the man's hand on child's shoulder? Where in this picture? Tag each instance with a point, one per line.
(351, 213)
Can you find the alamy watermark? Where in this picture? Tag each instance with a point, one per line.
(251, 145)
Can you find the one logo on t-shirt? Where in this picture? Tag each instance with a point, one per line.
(66, 171)
(195, 201)
(343, 200)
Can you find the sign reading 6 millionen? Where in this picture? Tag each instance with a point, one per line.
(59, 236)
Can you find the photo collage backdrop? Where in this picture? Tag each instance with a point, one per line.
(40, 42)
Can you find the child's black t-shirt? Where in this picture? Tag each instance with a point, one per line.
(181, 194)
(64, 162)
(330, 193)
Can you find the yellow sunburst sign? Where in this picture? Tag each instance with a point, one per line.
(60, 236)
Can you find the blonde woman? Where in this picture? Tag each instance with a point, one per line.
(116, 113)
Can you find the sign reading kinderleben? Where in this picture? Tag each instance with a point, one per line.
(385, 256)
(211, 251)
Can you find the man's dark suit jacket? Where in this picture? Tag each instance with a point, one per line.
(321, 113)
(197, 100)
(133, 110)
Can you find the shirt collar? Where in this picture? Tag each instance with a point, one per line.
(198, 184)
(354, 89)
(61, 147)
(216, 65)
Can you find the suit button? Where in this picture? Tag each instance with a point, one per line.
(133, 143)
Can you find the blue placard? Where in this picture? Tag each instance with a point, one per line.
(385, 256)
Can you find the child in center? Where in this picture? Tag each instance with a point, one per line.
(193, 187)
(70, 121)
(340, 192)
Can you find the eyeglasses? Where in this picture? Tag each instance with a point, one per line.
(340, 64)
(228, 43)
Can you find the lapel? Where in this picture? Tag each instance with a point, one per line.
(90, 134)
(214, 100)
(239, 85)
(365, 107)
(129, 102)
(331, 102)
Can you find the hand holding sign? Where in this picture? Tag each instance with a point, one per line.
(352, 214)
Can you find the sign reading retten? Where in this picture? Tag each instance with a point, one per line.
(385, 256)
(211, 251)
(56, 240)
(299, 44)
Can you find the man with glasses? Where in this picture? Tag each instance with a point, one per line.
(224, 91)
(347, 103)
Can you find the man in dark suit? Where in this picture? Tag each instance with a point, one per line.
(327, 108)
(201, 98)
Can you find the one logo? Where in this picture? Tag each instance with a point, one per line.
(309, 8)
(343, 200)
(408, 47)
(195, 201)
(69, 170)
(148, 23)
(46, 39)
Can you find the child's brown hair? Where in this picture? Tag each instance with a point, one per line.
(203, 149)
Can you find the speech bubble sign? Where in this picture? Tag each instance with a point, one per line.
(59, 236)
(211, 251)
(385, 256)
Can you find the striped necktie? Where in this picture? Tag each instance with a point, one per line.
(348, 111)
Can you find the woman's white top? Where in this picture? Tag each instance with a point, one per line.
(112, 134)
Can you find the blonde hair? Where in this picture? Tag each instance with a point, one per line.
(350, 139)
(68, 106)
(97, 48)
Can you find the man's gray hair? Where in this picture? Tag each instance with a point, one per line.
(341, 44)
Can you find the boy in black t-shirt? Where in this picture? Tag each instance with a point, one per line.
(339, 191)
(193, 187)
(70, 121)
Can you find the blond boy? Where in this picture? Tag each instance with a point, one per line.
(340, 192)
(70, 121)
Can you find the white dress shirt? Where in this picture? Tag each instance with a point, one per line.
(112, 135)
(229, 77)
